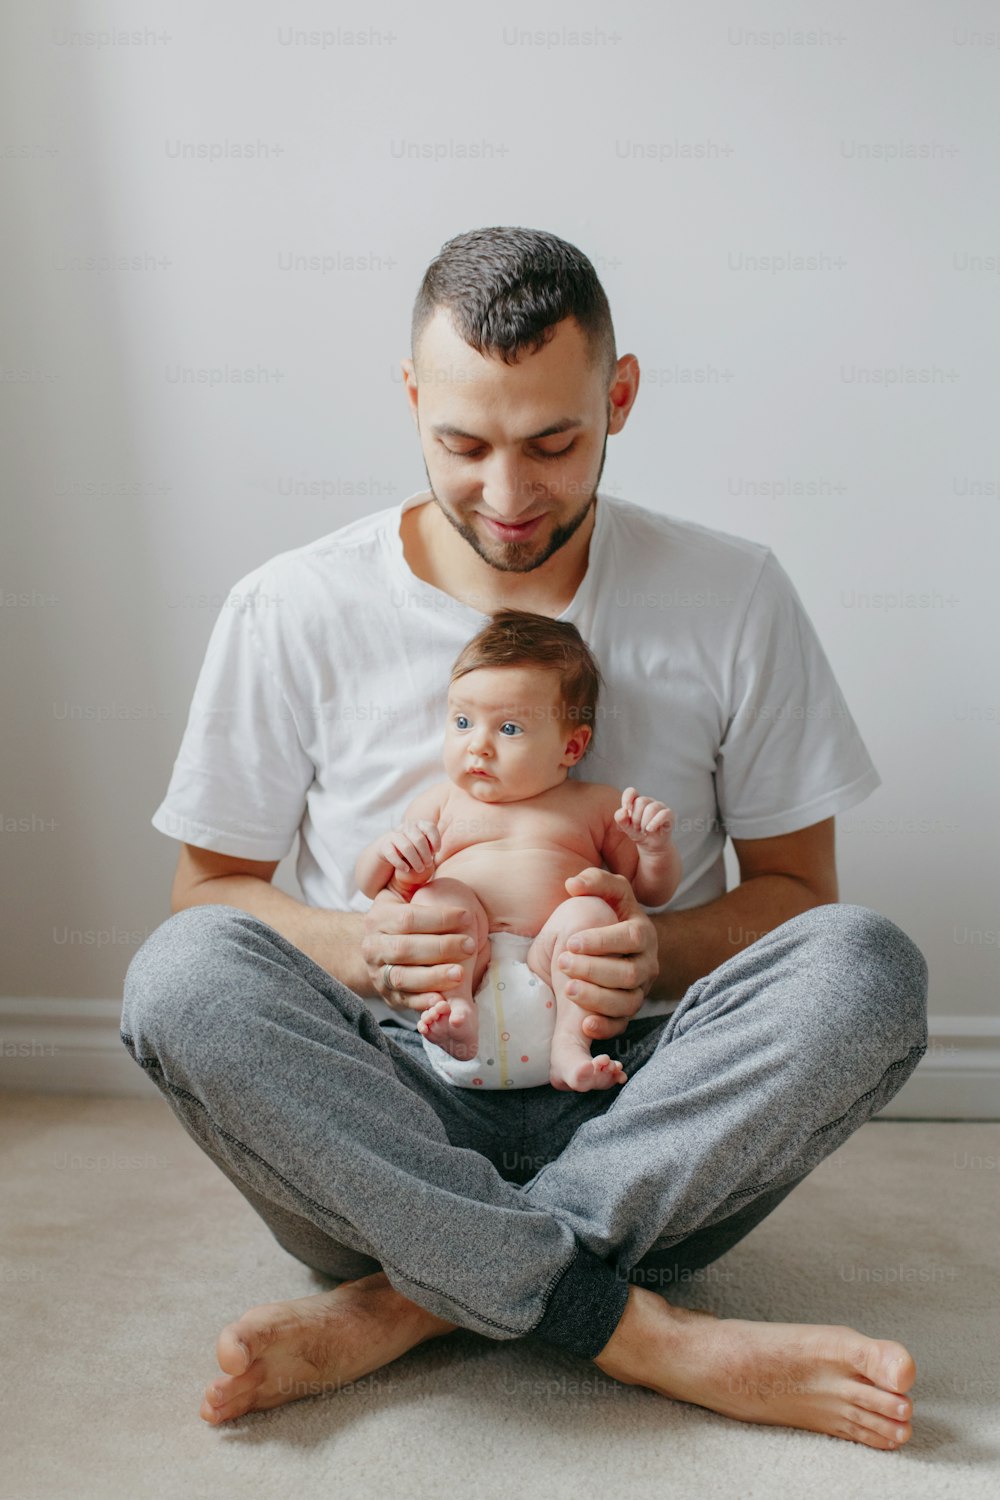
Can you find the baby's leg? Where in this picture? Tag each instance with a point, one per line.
(453, 1023)
(571, 1065)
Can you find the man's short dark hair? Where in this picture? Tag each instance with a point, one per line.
(507, 288)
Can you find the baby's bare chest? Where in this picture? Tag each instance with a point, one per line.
(568, 826)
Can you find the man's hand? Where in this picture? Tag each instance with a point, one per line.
(422, 945)
(614, 966)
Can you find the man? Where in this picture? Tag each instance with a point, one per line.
(761, 1025)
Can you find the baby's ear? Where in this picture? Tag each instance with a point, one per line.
(577, 743)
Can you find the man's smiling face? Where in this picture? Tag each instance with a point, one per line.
(513, 453)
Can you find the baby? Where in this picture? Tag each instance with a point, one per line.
(501, 837)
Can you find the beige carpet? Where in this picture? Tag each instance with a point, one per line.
(124, 1251)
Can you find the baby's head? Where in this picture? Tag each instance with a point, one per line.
(521, 707)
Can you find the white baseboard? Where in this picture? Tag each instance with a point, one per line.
(959, 1075)
(66, 1047)
(73, 1047)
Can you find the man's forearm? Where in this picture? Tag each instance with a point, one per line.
(696, 941)
(331, 939)
(691, 943)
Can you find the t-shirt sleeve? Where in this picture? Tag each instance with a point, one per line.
(791, 753)
(241, 776)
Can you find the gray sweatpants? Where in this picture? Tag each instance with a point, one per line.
(523, 1211)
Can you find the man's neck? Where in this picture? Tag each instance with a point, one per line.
(435, 553)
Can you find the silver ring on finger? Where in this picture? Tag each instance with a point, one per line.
(387, 982)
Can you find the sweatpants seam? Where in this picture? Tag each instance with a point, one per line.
(554, 1281)
(902, 1062)
(153, 1065)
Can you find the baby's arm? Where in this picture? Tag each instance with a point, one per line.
(403, 860)
(639, 845)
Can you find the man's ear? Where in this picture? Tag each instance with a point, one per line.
(623, 391)
(410, 382)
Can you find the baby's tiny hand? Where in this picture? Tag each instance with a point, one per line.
(646, 821)
(410, 849)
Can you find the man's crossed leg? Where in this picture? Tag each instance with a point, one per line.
(367, 1166)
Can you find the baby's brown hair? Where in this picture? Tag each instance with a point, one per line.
(519, 638)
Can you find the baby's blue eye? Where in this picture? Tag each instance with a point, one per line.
(461, 721)
(516, 728)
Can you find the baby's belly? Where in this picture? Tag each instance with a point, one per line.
(520, 888)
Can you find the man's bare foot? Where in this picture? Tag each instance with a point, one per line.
(572, 1067)
(453, 1025)
(825, 1379)
(283, 1351)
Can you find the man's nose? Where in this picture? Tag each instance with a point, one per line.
(507, 490)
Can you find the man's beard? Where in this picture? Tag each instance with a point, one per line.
(518, 557)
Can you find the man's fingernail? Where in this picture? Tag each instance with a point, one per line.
(468, 944)
(454, 972)
(572, 989)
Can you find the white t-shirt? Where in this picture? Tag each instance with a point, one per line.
(320, 706)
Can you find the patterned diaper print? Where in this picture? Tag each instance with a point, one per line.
(517, 1017)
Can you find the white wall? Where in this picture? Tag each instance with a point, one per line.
(132, 502)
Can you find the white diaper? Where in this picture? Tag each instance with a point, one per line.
(517, 1016)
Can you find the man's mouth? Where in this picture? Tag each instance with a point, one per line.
(513, 533)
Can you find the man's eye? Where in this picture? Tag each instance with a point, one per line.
(478, 452)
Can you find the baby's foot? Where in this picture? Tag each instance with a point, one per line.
(572, 1067)
(452, 1025)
